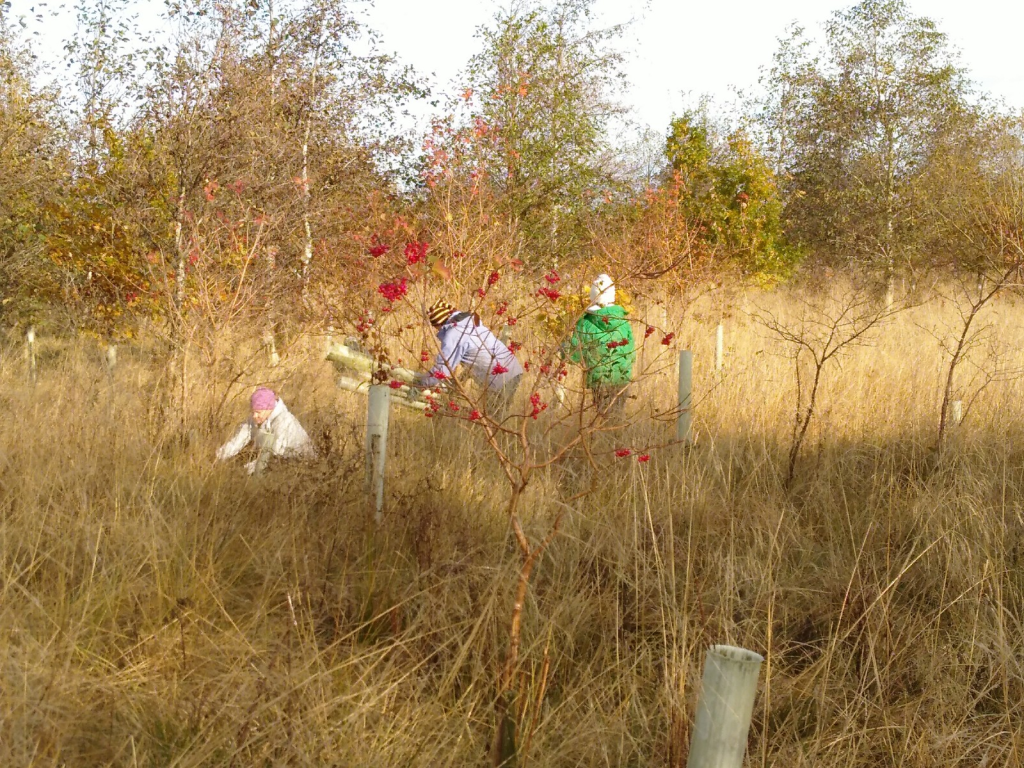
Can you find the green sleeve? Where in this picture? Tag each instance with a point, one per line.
(575, 346)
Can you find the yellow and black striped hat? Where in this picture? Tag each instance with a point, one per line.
(439, 311)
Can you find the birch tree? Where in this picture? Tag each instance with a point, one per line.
(854, 127)
(543, 89)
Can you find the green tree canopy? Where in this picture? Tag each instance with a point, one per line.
(728, 184)
(33, 165)
(854, 128)
(542, 90)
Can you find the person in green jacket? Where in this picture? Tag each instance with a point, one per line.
(603, 343)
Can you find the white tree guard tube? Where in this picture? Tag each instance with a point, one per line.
(726, 705)
(719, 347)
(272, 357)
(30, 351)
(956, 412)
(329, 340)
(685, 417)
(376, 445)
(348, 359)
(400, 396)
(111, 358)
(358, 385)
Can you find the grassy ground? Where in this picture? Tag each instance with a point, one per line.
(157, 609)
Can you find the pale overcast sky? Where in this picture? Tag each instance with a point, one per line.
(676, 50)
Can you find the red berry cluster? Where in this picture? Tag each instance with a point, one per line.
(432, 407)
(416, 252)
(538, 406)
(549, 293)
(393, 291)
(377, 248)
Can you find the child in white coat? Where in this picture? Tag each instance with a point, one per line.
(274, 430)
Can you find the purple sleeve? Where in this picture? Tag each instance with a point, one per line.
(448, 359)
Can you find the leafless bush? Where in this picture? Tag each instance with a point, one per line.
(825, 328)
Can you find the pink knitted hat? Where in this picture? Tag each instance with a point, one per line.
(263, 399)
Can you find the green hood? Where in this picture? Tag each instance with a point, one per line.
(603, 343)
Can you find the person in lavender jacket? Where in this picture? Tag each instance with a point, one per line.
(465, 341)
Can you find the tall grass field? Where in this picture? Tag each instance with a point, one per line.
(160, 609)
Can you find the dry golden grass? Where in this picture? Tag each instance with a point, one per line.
(157, 609)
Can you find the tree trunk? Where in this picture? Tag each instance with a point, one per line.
(179, 253)
(307, 252)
